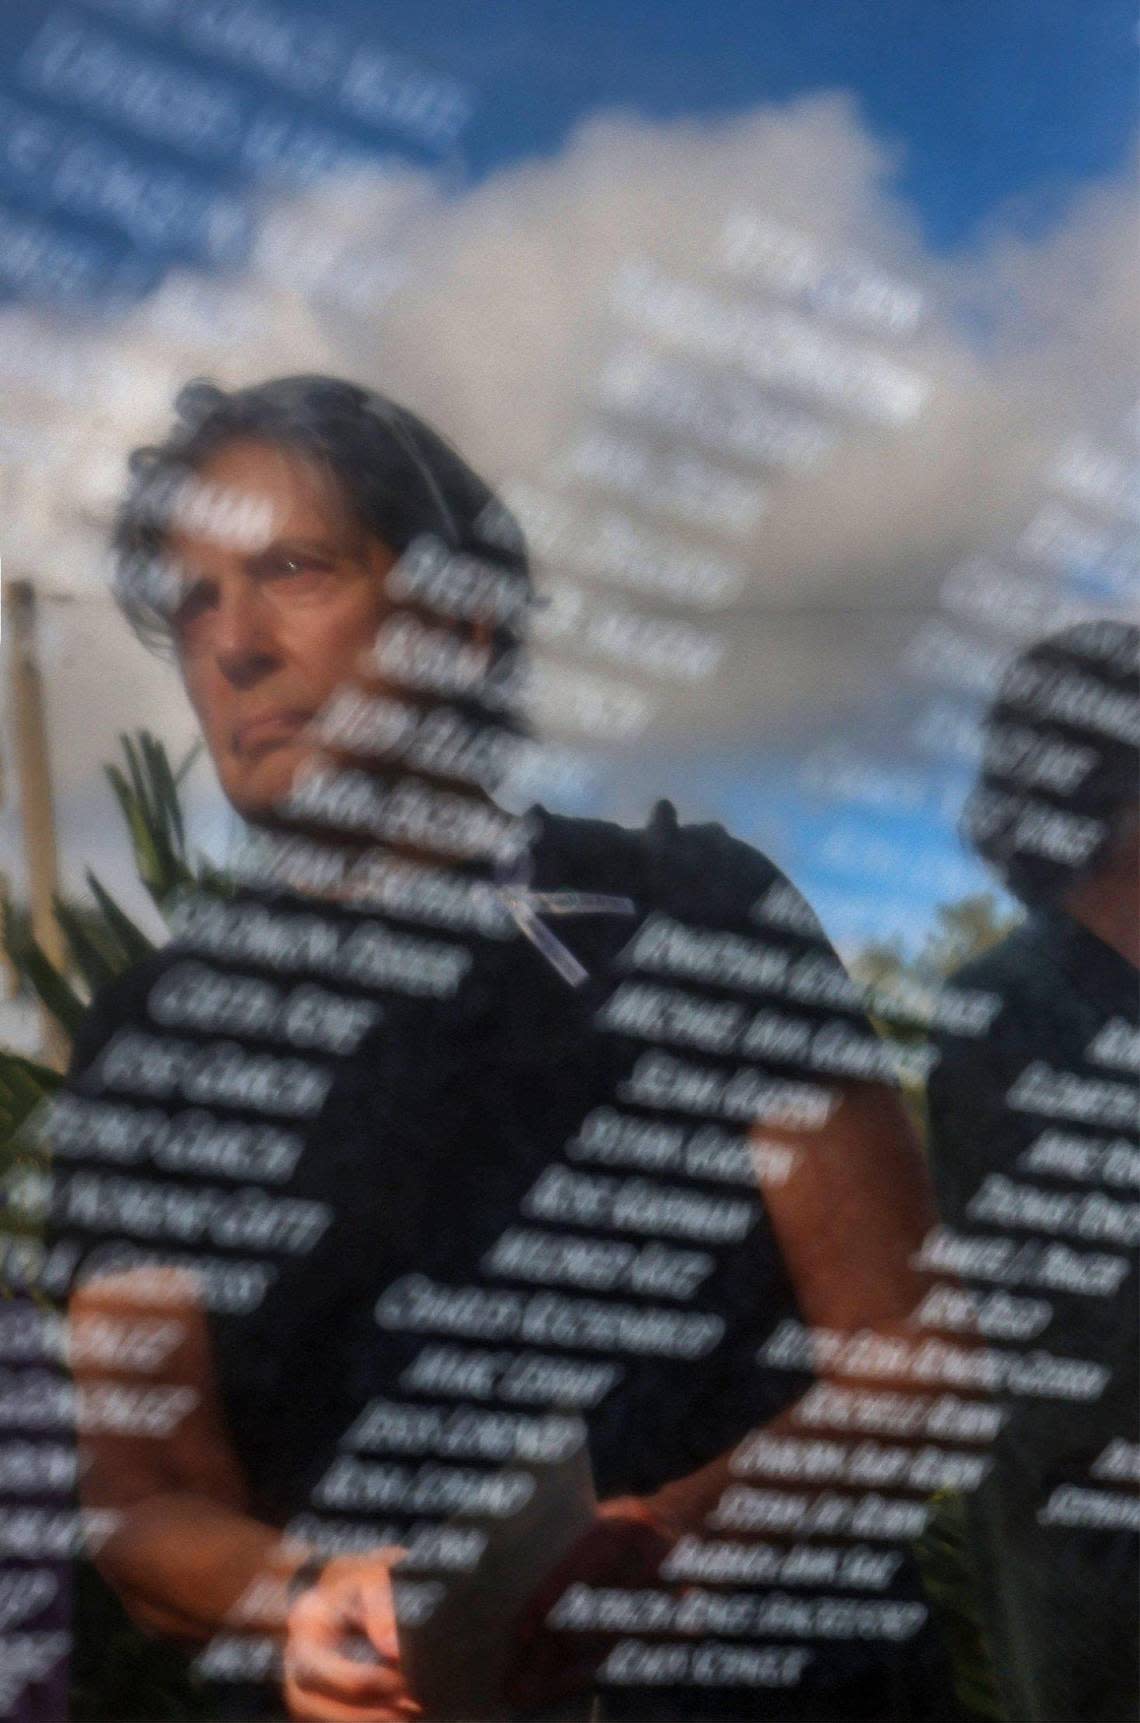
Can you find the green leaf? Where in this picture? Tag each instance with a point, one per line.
(104, 941)
(191, 755)
(129, 805)
(134, 766)
(946, 1562)
(23, 1084)
(148, 859)
(130, 939)
(91, 961)
(53, 989)
(148, 797)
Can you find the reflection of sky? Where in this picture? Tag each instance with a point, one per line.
(870, 872)
(878, 853)
(987, 107)
(997, 111)
(875, 875)
(992, 104)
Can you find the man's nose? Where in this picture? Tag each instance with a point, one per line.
(245, 637)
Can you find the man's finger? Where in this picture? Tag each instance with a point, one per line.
(317, 1667)
(315, 1708)
(378, 1615)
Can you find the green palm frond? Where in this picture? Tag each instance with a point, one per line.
(52, 988)
(131, 944)
(93, 963)
(103, 940)
(23, 1085)
(148, 798)
(24, 1088)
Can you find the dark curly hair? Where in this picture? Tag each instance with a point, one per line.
(1061, 760)
(400, 478)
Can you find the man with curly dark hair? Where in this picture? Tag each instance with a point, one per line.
(1033, 1140)
(462, 1146)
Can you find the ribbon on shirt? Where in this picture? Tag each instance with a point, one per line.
(526, 908)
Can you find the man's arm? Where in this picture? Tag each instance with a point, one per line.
(850, 1211)
(184, 1552)
(849, 1217)
(183, 1548)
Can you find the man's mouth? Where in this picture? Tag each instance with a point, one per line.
(256, 736)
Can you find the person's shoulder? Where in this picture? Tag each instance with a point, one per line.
(1007, 966)
(1012, 980)
(721, 879)
(697, 872)
(1015, 976)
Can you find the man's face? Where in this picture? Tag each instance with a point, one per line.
(266, 631)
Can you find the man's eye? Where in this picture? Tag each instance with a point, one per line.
(191, 604)
(295, 567)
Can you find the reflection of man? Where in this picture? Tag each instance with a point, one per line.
(379, 1166)
(1033, 1137)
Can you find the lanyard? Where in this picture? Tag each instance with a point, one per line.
(526, 908)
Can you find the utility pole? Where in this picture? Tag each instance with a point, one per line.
(33, 771)
(9, 978)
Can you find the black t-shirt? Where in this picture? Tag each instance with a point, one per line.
(1035, 1154)
(470, 1147)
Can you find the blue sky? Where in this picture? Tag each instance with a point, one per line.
(1018, 100)
(1003, 107)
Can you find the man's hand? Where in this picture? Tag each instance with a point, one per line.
(341, 1658)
